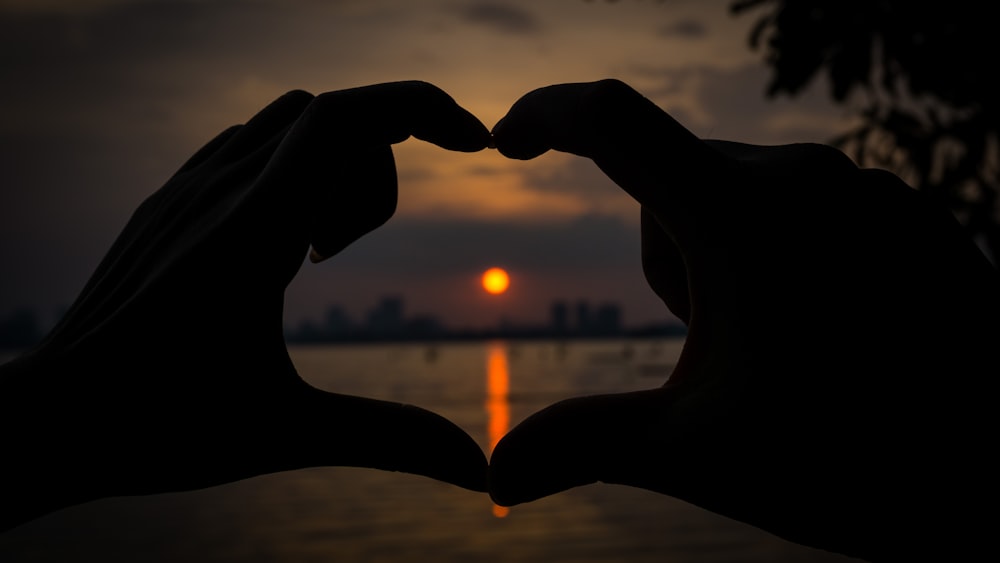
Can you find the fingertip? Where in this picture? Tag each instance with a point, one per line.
(517, 141)
(296, 96)
(392, 112)
(561, 117)
(463, 132)
(439, 119)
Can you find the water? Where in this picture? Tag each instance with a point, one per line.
(351, 514)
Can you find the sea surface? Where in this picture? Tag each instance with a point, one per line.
(351, 514)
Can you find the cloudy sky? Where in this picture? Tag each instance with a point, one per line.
(102, 100)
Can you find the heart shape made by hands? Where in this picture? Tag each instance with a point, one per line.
(814, 392)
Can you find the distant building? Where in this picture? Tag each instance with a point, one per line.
(586, 320)
(608, 319)
(583, 317)
(559, 317)
(387, 321)
(424, 326)
(386, 318)
(337, 323)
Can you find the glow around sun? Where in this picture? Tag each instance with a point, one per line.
(496, 281)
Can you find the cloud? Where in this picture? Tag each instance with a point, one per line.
(736, 99)
(584, 244)
(730, 103)
(55, 6)
(500, 17)
(683, 29)
(583, 180)
(111, 69)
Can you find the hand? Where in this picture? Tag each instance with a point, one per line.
(834, 387)
(170, 371)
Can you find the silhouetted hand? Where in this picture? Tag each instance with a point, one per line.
(170, 370)
(836, 384)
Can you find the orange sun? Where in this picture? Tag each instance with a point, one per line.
(496, 281)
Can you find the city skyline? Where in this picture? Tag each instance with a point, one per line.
(389, 319)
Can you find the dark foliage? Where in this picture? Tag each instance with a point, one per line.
(920, 74)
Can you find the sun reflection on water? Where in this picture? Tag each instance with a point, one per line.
(497, 406)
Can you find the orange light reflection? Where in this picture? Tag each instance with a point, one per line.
(497, 407)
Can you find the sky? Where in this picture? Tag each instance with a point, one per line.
(102, 100)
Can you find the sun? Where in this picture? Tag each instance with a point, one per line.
(496, 281)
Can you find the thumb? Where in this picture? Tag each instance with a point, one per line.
(345, 430)
(575, 442)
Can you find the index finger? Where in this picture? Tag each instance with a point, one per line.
(389, 113)
(641, 147)
(335, 164)
(588, 119)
